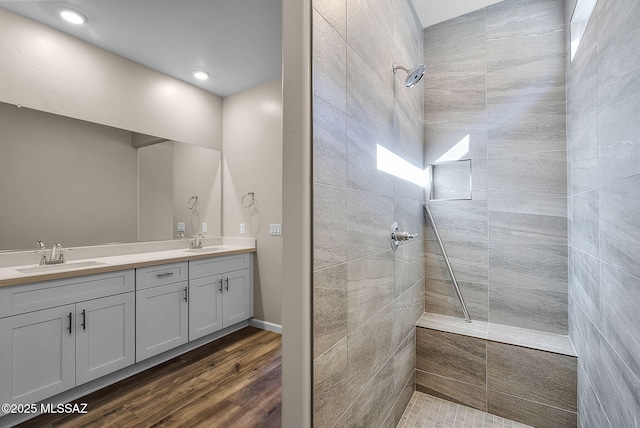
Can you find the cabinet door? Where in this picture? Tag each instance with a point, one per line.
(205, 306)
(37, 355)
(237, 297)
(161, 319)
(104, 336)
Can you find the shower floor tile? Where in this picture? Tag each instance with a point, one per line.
(426, 411)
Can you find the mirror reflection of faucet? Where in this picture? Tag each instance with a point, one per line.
(197, 242)
(56, 256)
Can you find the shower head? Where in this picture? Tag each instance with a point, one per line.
(413, 76)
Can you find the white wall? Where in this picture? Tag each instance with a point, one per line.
(252, 159)
(47, 70)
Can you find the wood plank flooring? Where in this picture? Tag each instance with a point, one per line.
(232, 382)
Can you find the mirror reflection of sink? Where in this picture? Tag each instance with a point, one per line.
(61, 266)
(202, 250)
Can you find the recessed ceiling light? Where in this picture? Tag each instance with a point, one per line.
(72, 16)
(201, 75)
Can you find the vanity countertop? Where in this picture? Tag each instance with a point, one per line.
(34, 273)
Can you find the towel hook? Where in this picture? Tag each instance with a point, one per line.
(194, 198)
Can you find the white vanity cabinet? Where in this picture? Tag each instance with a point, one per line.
(221, 293)
(162, 308)
(58, 334)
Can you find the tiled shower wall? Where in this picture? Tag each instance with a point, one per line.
(495, 93)
(603, 140)
(367, 297)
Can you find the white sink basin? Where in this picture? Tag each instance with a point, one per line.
(60, 267)
(203, 250)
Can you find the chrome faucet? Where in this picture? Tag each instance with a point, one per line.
(56, 254)
(197, 242)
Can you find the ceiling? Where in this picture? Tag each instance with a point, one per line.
(433, 11)
(238, 42)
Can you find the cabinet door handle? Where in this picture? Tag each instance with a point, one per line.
(84, 319)
(70, 321)
(221, 285)
(186, 294)
(164, 275)
(227, 281)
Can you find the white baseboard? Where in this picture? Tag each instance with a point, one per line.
(265, 325)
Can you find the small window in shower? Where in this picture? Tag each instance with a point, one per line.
(450, 180)
(579, 21)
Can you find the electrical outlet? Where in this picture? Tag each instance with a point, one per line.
(241, 228)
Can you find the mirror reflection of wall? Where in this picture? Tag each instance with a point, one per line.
(76, 182)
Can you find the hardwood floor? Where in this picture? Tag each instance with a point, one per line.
(232, 382)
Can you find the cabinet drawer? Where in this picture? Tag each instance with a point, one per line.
(154, 276)
(217, 265)
(25, 298)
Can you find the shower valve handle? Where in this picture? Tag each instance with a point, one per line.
(397, 236)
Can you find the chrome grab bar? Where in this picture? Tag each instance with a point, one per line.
(427, 210)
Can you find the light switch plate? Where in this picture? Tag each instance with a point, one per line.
(275, 229)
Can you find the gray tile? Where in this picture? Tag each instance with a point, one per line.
(329, 144)
(455, 30)
(585, 233)
(583, 156)
(618, 127)
(409, 266)
(584, 282)
(362, 171)
(589, 408)
(385, 11)
(369, 99)
(619, 234)
(369, 348)
(369, 221)
(329, 307)
(542, 221)
(451, 355)
(526, 133)
(533, 339)
(408, 308)
(586, 340)
(533, 309)
(524, 32)
(408, 140)
(441, 298)
(468, 95)
(370, 38)
(538, 175)
(469, 261)
(453, 136)
(617, 388)
(620, 293)
(372, 406)
(537, 88)
(451, 390)
(455, 60)
(329, 63)
(329, 226)
(404, 398)
(404, 362)
(370, 286)
(543, 377)
(460, 220)
(529, 412)
(335, 12)
(531, 266)
(330, 385)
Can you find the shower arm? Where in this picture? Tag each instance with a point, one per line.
(396, 67)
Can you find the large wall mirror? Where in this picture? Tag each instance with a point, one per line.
(80, 183)
(72, 169)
